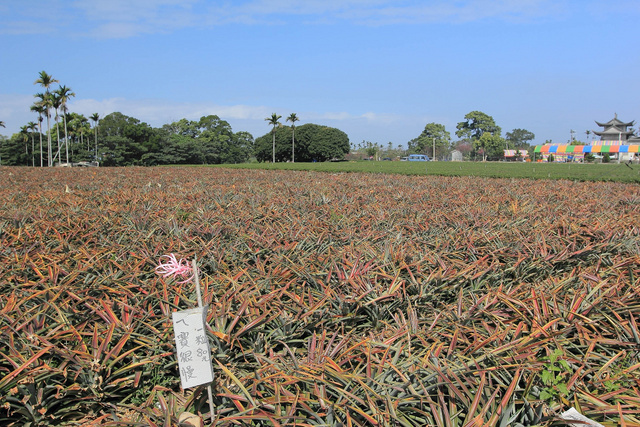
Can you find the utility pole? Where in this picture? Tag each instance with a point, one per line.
(434, 149)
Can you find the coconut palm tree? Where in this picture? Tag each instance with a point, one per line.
(274, 121)
(1, 125)
(293, 118)
(24, 132)
(56, 102)
(37, 108)
(82, 124)
(46, 104)
(46, 80)
(64, 93)
(95, 117)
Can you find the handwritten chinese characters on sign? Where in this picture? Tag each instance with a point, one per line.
(192, 345)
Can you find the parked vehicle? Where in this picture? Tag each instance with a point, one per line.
(418, 158)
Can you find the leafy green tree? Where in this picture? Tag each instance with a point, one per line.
(209, 140)
(424, 143)
(293, 118)
(313, 142)
(519, 138)
(475, 125)
(183, 127)
(490, 146)
(274, 121)
(14, 150)
(215, 137)
(238, 149)
(323, 142)
(125, 140)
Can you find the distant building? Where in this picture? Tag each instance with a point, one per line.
(516, 155)
(617, 132)
(456, 156)
(616, 140)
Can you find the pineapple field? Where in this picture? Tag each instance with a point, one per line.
(335, 299)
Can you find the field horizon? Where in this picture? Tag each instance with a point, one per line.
(593, 172)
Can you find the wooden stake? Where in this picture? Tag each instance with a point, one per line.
(196, 277)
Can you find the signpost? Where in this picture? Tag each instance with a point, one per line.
(192, 344)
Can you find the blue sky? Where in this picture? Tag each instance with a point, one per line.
(379, 70)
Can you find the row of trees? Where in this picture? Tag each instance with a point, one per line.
(125, 140)
(480, 137)
(48, 102)
(312, 143)
(120, 140)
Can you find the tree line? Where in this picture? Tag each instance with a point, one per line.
(479, 139)
(62, 136)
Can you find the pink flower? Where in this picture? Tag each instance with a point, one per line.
(174, 268)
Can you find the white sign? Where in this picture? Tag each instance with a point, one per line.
(192, 345)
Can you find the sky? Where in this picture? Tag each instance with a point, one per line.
(379, 70)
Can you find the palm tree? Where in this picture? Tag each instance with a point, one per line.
(95, 117)
(293, 118)
(64, 93)
(38, 108)
(46, 80)
(82, 122)
(56, 102)
(274, 121)
(32, 126)
(24, 132)
(46, 104)
(1, 125)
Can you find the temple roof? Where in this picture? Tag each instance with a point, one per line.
(611, 131)
(615, 123)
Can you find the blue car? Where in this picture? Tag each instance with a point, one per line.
(418, 158)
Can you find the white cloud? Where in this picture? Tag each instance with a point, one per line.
(374, 126)
(127, 18)
(15, 112)
(158, 112)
